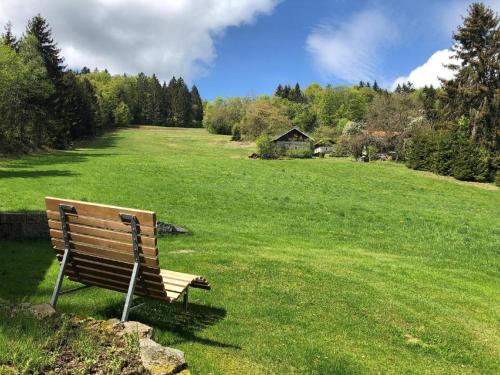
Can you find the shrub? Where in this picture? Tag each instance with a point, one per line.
(122, 115)
(372, 152)
(342, 147)
(236, 133)
(497, 178)
(267, 149)
(300, 154)
(449, 153)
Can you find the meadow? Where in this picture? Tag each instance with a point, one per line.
(322, 266)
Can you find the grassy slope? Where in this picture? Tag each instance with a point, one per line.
(318, 266)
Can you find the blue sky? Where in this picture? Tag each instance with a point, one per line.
(247, 47)
(253, 59)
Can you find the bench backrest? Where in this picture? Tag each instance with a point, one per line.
(101, 247)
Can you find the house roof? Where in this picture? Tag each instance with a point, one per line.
(291, 130)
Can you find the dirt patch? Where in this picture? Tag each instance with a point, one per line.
(183, 251)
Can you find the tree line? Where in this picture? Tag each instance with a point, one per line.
(451, 130)
(45, 105)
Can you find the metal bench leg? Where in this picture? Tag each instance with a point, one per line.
(130, 293)
(63, 208)
(60, 277)
(185, 300)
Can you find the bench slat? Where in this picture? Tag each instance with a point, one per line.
(120, 287)
(97, 262)
(147, 286)
(153, 280)
(102, 211)
(104, 253)
(105, 244)
(144, 230)
(103, 233)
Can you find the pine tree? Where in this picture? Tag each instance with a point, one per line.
(196, 107)
(429, 97)
(286, 92)
(376, 86)
(296, 94)
(166, 108)
(8, 37)
(181, 102)
(142, 93)
(155, 98)
(475, 90)
(279, 91)
(85, 70)
(40, 29)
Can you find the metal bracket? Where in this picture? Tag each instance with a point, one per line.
(136, 272)
(63, 209)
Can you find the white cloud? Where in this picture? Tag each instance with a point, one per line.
(430, 72)
(166, 37)
(351, 51)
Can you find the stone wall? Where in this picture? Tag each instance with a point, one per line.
(19, 225)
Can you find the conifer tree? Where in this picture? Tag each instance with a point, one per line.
(475, 91)
(142, 94)
(279, 91)
(181, 102)
(196, 107)
(40, 29)
(155, 101)
(8, 37)
(165, 105)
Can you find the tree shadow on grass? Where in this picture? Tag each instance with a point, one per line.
(23, 267)
(172, 318)
(79, 155)
(23, 173)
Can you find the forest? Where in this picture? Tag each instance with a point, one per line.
(45, 105)
(451, 130)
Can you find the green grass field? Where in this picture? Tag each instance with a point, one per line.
(323, 266)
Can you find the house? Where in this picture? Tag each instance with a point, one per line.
(293, 139)
(323, 147)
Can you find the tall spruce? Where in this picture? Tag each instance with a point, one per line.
(196, 108)
(474, 93)
(40, 29)
(166, 107)
(142, 94)
(8, 38)
(155, 101)
(181, 102)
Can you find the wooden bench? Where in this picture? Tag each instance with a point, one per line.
(113, 248)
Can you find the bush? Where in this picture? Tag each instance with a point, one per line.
(122, 115)
(372, 152)
(236, 133)
(449, 153)
(497, 179)
(267, 149)
(300, 154)
(342, 147)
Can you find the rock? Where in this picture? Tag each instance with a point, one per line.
(166, 228)
(42, 311)
(161, 360)
(142, 330)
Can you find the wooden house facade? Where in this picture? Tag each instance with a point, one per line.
(293, 139)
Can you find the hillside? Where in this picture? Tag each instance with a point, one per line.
(323, 266)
